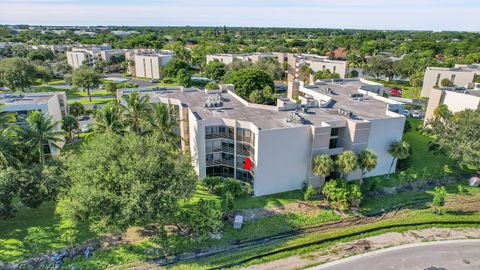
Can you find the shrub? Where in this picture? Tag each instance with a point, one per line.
(342, 195)
(234, 187)
(439, 194)
(307, 196)
(169, 80)
(213, 183)
(201, 219)
(228, 203)
(354, 195)
(212, 86)
(461, 189)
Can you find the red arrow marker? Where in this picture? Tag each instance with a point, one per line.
(247, 164)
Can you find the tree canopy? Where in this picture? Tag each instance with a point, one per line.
(248, 80)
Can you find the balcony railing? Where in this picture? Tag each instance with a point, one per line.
(228, 136)
(220, 162)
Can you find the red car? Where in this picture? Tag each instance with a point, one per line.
(396, 92)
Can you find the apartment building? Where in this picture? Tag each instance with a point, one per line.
(460, 75)
(223, 132)
(53, 104)
(90, 54)
(244, 57)
(148, 64)
(456, 98)
(316, 63)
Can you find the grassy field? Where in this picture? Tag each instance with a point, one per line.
(407, 90)
(134, 254)
(13, 231)
(94, 101)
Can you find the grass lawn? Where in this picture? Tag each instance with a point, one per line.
(94, 101)
(407, 90)
(13, 231)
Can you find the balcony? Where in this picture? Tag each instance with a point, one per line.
(228, 136)
(220, 162)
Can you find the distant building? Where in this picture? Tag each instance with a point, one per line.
(121, 33)
(456, 98)
(223, 132)
(316, 63)
(244, 57)
(147, 65)
(91, 54)
(460, 75)
(53, 104)
(338, 54)
(83, 32)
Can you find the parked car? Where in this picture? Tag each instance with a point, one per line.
(397, 92)
(416, 114)
(85, 128)
(406, 113)
(154, 81)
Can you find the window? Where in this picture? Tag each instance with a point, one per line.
(438, 80)
(452, 79)
(334, 132)
(334, 69)
(333, 143)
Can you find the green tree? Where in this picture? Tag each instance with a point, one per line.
(17, 73)
(173, 67)
(163, 121)
(40, 129)
(378, 66)
(398, 150)
(272, 67)
(446, 83)
(8, 140)
(136, 110)
(201, 219)
(70, 124)
(442, 112)
(367, 161)
(228, 203)
(307, 196)
(215, 70)
(323, 165)
(346, 162)
(120, 181)
(439, 194)
(111, 87)
(184, 78)
(248, 80)
(60, 69)
(37, 239)
(86, 79)
(458, 137)
(212, 86)
(109, 119)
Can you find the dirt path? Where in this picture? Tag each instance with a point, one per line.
(342, 250)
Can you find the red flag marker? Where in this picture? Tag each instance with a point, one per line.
(247, 164)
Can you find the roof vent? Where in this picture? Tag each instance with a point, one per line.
(346, 113)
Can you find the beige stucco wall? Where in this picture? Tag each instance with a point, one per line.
(75, 59)
(462, 78)
(457, 102)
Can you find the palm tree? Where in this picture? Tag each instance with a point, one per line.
(77, 109)
(367, 161)
(136, 109)
(40, 129)
(70, 124)
(108, 119)
(305, 72)
(398, 150)
(8, 140)
(346, 162)
(162, 120)
(323, 165)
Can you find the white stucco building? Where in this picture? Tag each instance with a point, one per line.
(148, 64)
(221, 130)
(460, 75)
(91, 54)
(316, 63)
(53, 104)
(244, 57)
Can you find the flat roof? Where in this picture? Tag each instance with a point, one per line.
(269, 117)
(24, 99)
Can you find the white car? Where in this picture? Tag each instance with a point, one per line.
(416, 114)
(85, 129)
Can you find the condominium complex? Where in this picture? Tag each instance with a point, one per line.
(147, 64)
(91, 54)
(460, 75)
(223, 132)
(53, 104)
(244, 57)
(456, 98)
(314, 62)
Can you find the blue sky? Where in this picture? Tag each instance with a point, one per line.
(361, 14)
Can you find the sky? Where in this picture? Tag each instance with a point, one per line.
(437, 15)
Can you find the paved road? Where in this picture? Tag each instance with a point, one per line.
(451, 255)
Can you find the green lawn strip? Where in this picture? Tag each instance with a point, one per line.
(13, 231)
(407, 89)
(269, 200)
(93, 102)
(418, 216)
(55, 82)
